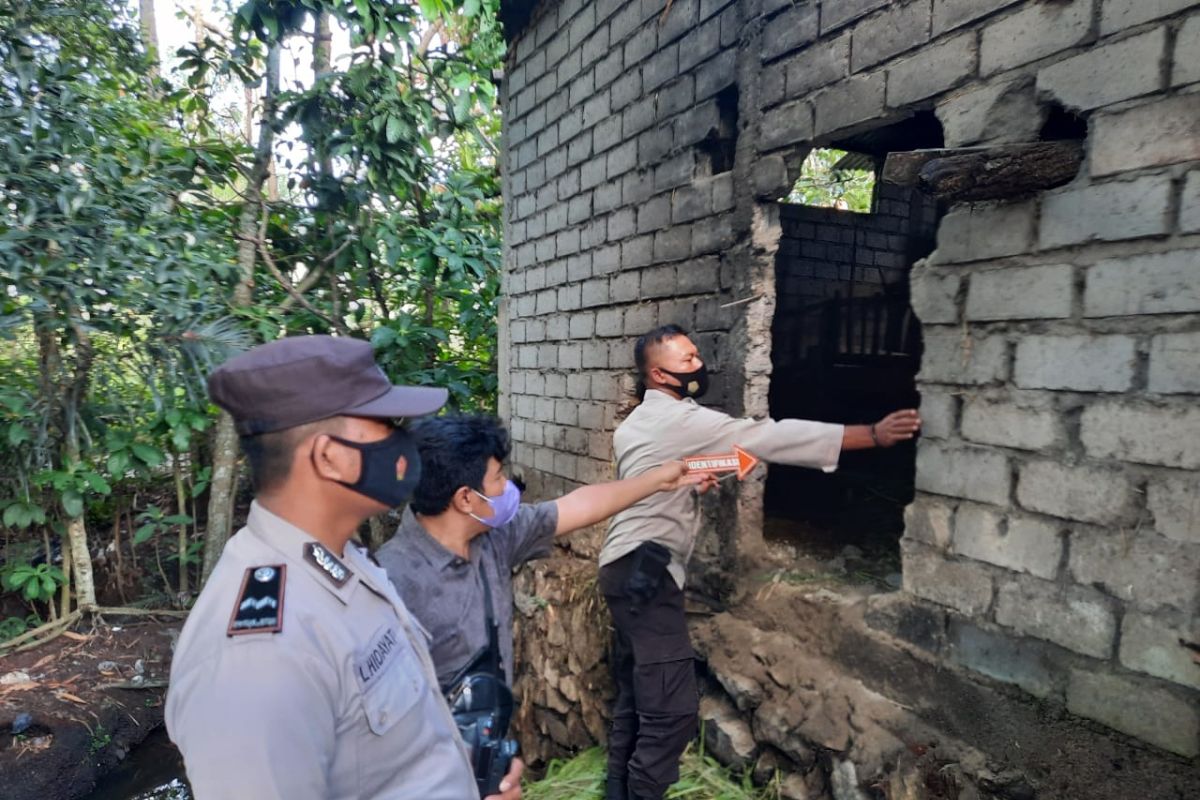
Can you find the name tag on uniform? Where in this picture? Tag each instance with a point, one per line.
(377, 658)
(259, 607)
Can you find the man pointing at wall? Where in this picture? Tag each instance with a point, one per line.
(643, 562)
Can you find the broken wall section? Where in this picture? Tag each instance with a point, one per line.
(1054, 542)
(1054, 547)
(1055, 482)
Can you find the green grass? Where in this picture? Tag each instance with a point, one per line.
(700, 778)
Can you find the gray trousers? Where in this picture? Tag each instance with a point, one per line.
(657, 707)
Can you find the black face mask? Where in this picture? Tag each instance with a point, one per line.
(691, 384)
(381, 478)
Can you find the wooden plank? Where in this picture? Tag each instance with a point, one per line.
(986, 173)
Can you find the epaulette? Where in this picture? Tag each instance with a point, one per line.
(259, 607)
(327, 564)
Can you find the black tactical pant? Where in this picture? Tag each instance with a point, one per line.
(657, 707)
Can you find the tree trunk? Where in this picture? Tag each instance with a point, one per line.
(225, 447)
(149, 24)
(72, 401)
(181, 502)
(322, 45)
(222, 493)
(49, 560)
(81, 561)
(65, 608)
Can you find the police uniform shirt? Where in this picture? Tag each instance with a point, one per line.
(444, 591)
(663, 429)
(300, 674)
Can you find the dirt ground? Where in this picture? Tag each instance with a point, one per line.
(73, 708)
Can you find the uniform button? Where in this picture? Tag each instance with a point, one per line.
(383, 718)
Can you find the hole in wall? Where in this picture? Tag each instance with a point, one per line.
(846, 348)
(716, 151)
(832, 178)
(1062, 125)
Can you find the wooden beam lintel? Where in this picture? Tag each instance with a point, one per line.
(986, 173)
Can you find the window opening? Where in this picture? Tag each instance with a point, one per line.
(715, 153)
(832, 178)
(846, 348)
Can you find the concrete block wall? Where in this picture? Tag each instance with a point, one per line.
(615, 223)
(827, 252)
(1057, 511)
(1049, 434)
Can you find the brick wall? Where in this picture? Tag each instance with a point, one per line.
(612, 225)
(828, 252)
(1056, 535)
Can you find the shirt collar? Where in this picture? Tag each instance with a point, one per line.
(420, 540)
(659, 396)
(290, 542)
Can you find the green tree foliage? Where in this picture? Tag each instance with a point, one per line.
(107, 253)
(822, 185)
(120, 198)
(389, 222)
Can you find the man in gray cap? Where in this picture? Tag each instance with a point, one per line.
(300, 673)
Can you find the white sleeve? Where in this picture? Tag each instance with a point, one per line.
(255, 722)
(799, 442)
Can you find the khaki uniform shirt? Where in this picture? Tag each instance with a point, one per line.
(663, 429)
(445, 593)
(340, 702)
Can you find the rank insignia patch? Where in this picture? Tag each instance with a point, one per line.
(259, 607)
(327, 563)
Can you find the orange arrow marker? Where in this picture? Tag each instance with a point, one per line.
(738, 461)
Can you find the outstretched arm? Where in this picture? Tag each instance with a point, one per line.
(899, 426)
(588, 505)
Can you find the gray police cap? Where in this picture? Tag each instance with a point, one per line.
(302, 379)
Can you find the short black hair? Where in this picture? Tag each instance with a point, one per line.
(646, 341)
(269, 455)
(454, 453)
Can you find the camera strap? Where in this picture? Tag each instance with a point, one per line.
(493, 631)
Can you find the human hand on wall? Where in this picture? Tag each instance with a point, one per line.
(899, 426)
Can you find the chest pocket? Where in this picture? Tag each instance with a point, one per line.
(390, 678)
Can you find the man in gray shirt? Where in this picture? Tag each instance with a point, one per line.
(466, 530)
(643, 562)
(300, 673)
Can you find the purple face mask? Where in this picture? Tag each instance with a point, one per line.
(504, 506)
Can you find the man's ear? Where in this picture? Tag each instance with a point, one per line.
(461, 499)
(657, 375)
(334, 461)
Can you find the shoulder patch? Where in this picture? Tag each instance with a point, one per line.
(259, 607)
(327, 564)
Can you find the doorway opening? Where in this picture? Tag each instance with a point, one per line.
(846, 346)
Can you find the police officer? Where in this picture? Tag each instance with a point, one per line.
(300, 673)
(644, 559)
